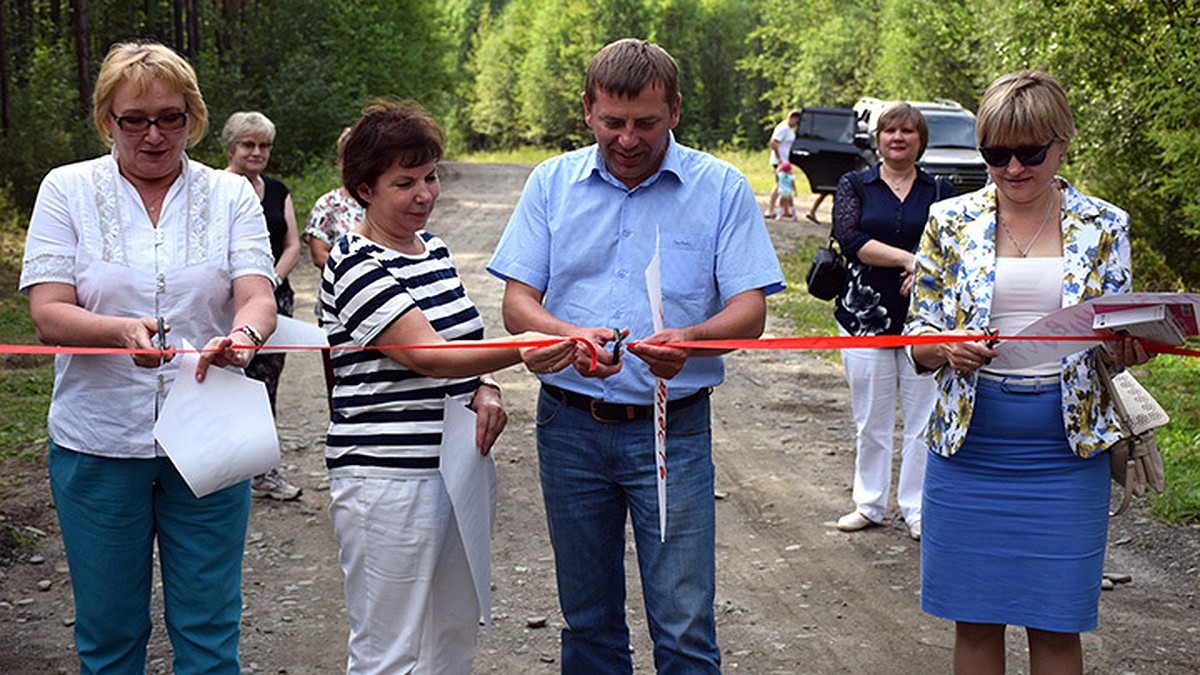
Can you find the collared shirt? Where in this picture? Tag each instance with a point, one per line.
(870, 302)
(584, 240)
(953, 288)
(90, 230)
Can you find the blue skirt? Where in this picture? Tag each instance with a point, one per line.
(1015, 524)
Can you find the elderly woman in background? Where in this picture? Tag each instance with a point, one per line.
(247, 138)
(390, 282)
(115, 245)
(878, 218)
(1017, 480)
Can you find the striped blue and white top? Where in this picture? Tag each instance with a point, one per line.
(385, 415)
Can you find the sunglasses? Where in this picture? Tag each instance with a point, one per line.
(1028, 155)
(135, 124)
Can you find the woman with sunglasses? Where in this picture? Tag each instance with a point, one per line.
(1017, 479)
(122, 249)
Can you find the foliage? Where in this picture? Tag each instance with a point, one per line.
(1172, 380)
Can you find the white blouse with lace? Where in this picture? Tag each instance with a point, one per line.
(90, 230)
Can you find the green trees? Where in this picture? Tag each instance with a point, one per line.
(501, 73)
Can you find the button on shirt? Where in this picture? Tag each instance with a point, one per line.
(584, 240)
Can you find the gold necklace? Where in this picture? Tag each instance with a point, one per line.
(1024, 252)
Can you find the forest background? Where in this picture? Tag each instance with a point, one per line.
(505, 75)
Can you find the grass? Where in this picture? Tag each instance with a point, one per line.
(808, 316)
(25, 381)
(1172, 380)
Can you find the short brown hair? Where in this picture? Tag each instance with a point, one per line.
(904, 112)
(388, 132)
(625, 67)
(142, 64)
(1028, 105)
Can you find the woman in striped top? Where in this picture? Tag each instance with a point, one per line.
(389, 282)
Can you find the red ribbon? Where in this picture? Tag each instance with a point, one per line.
(787, 343)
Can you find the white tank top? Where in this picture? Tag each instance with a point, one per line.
(1027, 289)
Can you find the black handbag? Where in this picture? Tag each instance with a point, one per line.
(827, 272)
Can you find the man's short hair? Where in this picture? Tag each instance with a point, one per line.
(625, 67)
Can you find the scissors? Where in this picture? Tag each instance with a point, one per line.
(162, 336)
(618, 340)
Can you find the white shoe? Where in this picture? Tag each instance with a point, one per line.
(854, 521)
(914, 530)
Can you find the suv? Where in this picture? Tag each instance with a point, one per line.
(829, 142)
(951, 152)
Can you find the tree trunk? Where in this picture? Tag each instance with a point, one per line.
(177, 18)
(4, 122)
(79, 29)
(193, 30)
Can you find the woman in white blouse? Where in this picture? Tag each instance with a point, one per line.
(117, 246)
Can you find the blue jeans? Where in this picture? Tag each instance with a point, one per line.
(110, 512)
(594, 473)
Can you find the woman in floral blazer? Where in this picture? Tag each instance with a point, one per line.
(1016, 484)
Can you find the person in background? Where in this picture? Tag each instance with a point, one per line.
(573, 258)
(878, 218)
(786, 183)
(332, 216)
(334, 213)
(812, 211)
(782, 138)
(1017, 480)
(388, 281)
(247, 138)
(117, 244)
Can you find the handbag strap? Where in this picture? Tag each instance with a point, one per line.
(1118, 404)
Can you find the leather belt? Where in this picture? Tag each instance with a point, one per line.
(611, 413)
(1023, 384)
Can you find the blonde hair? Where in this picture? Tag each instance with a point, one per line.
(1029, 105)
(142, 64)
(242, 124)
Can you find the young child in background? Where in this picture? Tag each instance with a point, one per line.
(787, 191)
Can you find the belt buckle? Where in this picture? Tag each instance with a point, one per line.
(594, 403)
(596, 416)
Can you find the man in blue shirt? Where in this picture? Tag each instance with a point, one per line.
(574, 257)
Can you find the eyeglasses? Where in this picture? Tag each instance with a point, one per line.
(1028, 155)
(135, 124)
(251, 145)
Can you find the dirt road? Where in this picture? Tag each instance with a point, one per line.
(794, 595)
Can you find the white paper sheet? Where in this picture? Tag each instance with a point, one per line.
(219, 432)
(291, 332)
(654, 290)
(1077, 320)
(470, 479)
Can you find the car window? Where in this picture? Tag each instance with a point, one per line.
(950, 131)
(836, 127)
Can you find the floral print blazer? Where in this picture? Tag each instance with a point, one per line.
(955, 276)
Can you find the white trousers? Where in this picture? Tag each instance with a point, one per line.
(409, 594)
(876, 378)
